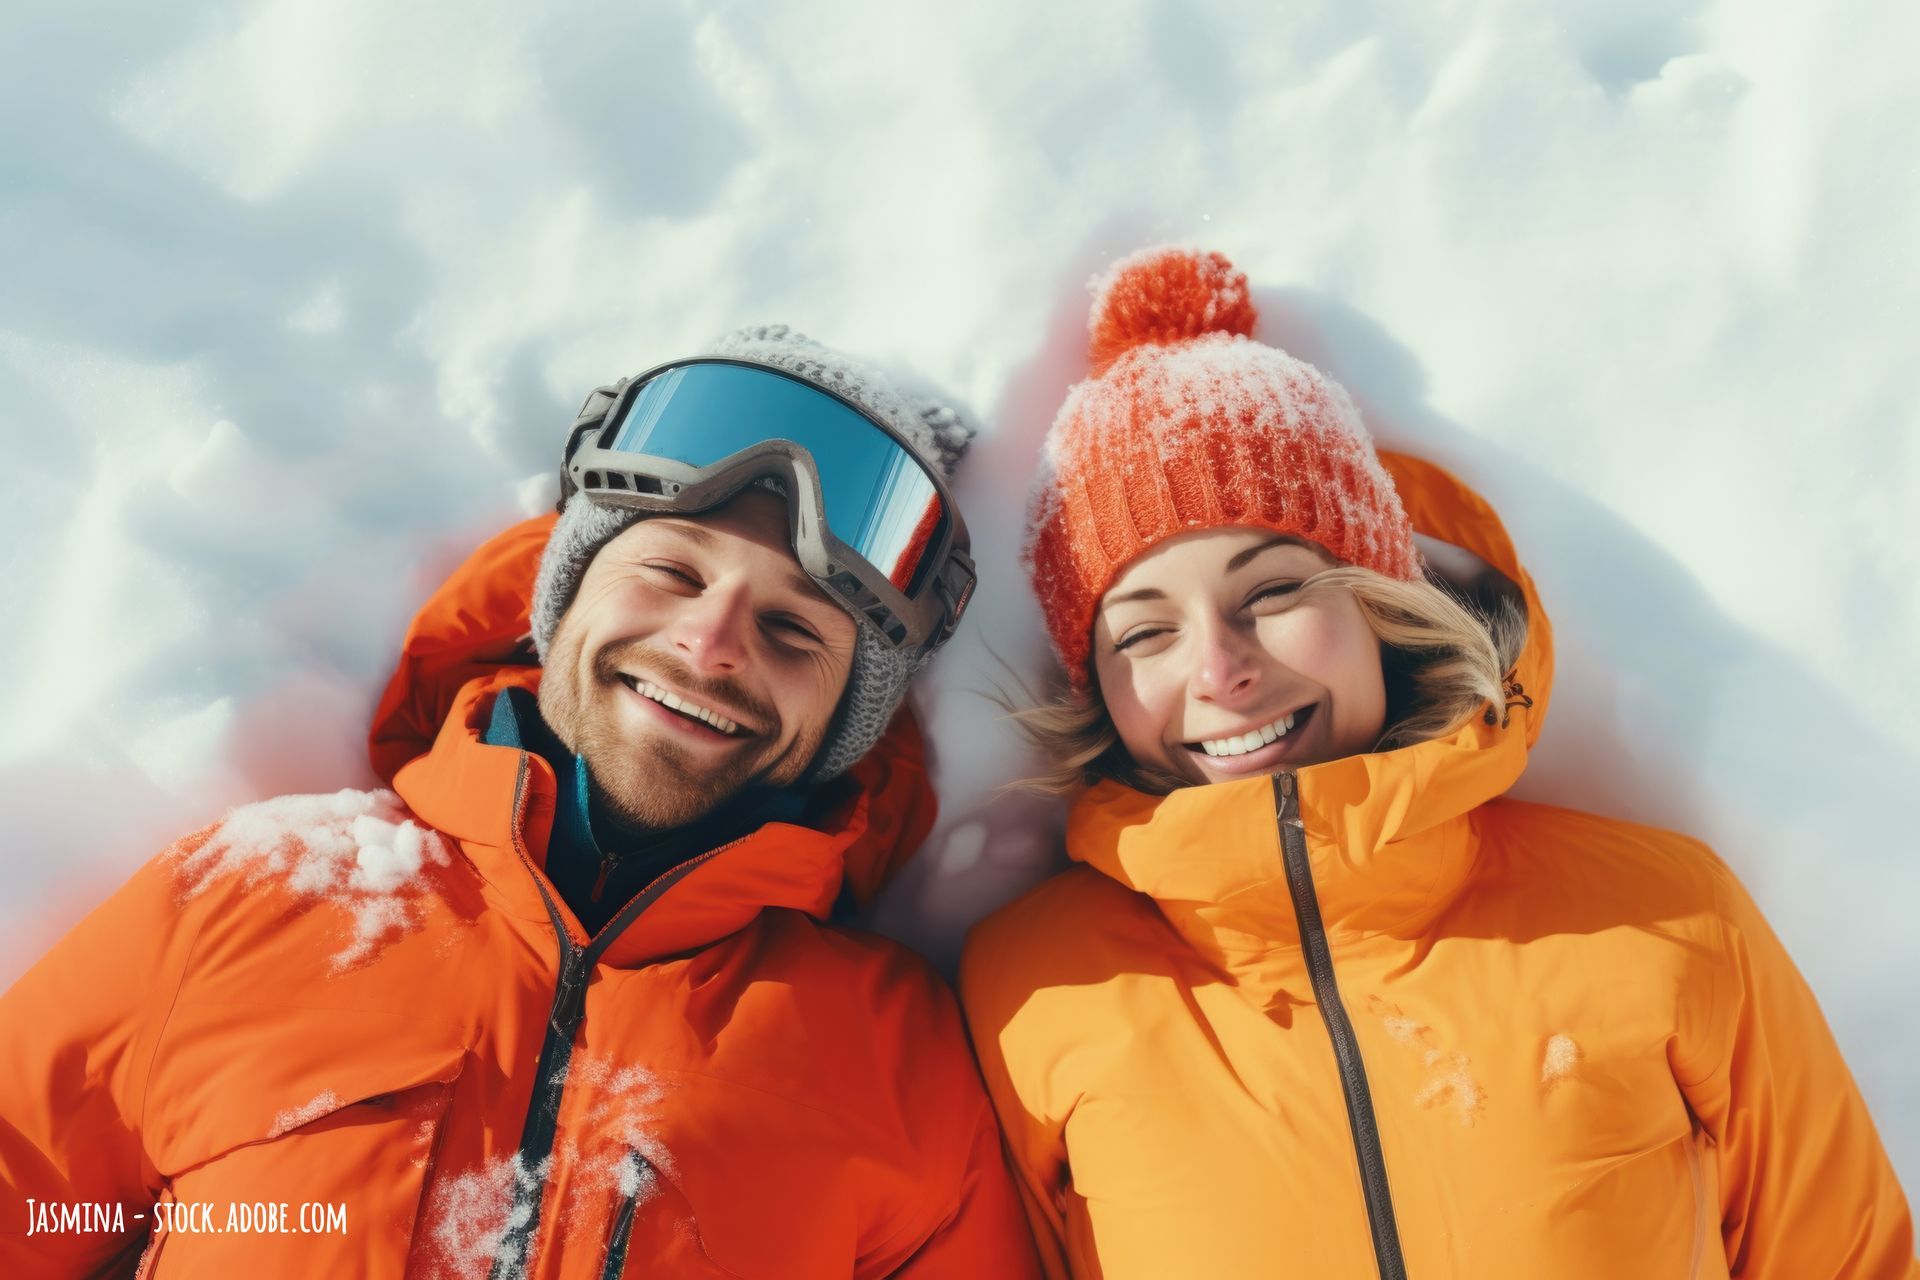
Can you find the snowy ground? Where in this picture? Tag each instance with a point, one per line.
(299, 296)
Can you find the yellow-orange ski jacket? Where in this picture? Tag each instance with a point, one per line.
(1372, 1018)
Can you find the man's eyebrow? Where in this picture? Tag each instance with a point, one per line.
(800, 584)
(795, 579)
(696, 534)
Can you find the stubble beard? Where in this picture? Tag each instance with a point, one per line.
(648, 782)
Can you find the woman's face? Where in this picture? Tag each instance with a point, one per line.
(1214, 666)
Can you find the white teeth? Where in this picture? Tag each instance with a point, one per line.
(1252, 740)
(646, 688)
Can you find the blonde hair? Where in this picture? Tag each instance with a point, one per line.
(1443, 661)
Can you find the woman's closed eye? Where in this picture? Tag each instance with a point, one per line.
(1273, 591)
(1138, 635)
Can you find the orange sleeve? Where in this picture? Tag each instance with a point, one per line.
(77, 1039)
(1035, 1147)
(1806, 1189)
(987, 1235)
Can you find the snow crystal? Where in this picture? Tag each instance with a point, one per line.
(1452, 1082)
(1558, 1063)
(636, 1177)
(608, 1149)
(384, 867)
(1449, 1072)
(306, 1113)
(357, 849)
(619, 1121)
(470, 1217)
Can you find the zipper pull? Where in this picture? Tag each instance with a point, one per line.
(607, 863)
(1286, 787)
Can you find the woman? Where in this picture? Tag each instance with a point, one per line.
(1317, 1000)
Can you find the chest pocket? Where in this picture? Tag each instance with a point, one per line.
(749, 1185)
(294, 1140)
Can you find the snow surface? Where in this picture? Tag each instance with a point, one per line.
(300, 295)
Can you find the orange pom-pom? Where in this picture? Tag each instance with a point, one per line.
(1166, 295)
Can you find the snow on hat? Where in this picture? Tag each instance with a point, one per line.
(878, 679)
(1188, 423)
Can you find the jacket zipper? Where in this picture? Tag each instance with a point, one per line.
(556, 1047)
(1346, 1047)
(622, 1230)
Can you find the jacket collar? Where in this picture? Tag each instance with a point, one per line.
(1387, 840)
(499, 802)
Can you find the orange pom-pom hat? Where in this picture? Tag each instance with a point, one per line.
(1188, 423)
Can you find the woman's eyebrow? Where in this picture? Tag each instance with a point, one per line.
(1241, 560)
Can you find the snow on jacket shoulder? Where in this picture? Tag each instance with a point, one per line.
(1579, 1048)
(373, 1009)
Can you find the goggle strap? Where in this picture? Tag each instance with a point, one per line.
(954, 586)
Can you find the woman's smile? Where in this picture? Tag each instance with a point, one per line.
(1259, 750)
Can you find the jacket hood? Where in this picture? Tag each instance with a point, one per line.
(1387, 832)
(471, 640)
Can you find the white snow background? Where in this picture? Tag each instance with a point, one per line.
(299, 296)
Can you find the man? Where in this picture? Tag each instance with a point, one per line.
(569, 1003)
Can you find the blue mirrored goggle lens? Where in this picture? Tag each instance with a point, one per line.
(879, 499)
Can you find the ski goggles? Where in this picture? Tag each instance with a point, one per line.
(871, 522)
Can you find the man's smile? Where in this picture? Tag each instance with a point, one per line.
(684, 713)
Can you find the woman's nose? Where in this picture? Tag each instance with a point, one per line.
(1224, 664)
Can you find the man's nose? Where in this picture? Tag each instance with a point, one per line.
(710, 633)
(1224, 661)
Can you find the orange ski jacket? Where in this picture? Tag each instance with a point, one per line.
(374, 1010)
(1372, 1018)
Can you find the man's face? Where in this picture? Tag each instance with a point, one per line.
(696, 659)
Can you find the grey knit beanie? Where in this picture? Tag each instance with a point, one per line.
(878, 678)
